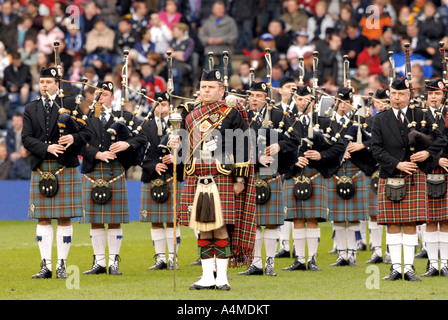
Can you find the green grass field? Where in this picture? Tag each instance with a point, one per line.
(20, 259)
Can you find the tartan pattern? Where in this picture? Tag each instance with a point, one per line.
(413, 207)
(372, 198)
(206, 249)
(116, 210)
(152, 211)
(315, 206)
(222, 248)
(273, 211)
(242, 220)
(354, 209)
(67, 203)
(437, 207)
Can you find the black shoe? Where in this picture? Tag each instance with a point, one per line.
(411, 276)
(444, 271)
(195, 286)
(159, 265)
(251, 271)
(196, 263)
(393, 276)
(374, 259)
(430, 271)
(224, 287)
(96, 268)
(340, 262)
(312, 266)
(282, 253)
(61, 272)
(113, 268)
(423, 254)
(333, 251)
(296, 265)
(171, 264)
(44, 272)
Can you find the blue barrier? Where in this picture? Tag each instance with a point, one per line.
(14, 199)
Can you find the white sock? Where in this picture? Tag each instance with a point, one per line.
(351, 239)
(257, 248)
(170, 241)
(340, 239)
(114, 238)
(221, 271)
(376, 234)
(158, 237)
(285, 231)
(394, 241)
(63, 240)
(443, 245)
(299, 236)
(98, 237)
(363, 228)
(270, 242)
(44, 237)
(312, 238)
(432, 247)
(410, 241)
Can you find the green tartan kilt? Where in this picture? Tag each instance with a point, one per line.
(273, 211)
(116, 210)
(354, 209)
(316, 206)
(152, 211)
(67, 203)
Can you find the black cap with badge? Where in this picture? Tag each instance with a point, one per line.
(435, 84)
(303, 90)
(345, 93)
(258, 86)
(400, 84)
(49, 72)
(164, 95)
(211, 75)
(106, 85)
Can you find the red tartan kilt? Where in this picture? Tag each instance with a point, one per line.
(437, 207)
(226, 195)
(413, 207)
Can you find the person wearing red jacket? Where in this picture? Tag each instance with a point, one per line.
(371, 56)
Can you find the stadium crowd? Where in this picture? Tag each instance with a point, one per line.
(94, 35)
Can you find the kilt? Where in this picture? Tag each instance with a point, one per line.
(315, 206)
(413, 207)
(273, 211)
(116, 210)
(152, 211)
(354, 209)
(67, 203)
(437, 207)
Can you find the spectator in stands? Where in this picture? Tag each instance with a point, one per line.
(88, 18)
(403, 19)
(270, 10)
(159, 65)
(183, 7)
(144, 45)
(140, 16)
(33, 10)
(74, 41)
(370, 56)
(437, 59)
(8, 16)
(161, 34)
(182, 48)
(301, 45)
(108, 12)
(354, 43)
(331, 60)
(372, 26)
(170, 15)
(319, 23)
(294, 17)
(21, 170)
(13, 136)
(430, 24)
(443, 11)
(5, 162)
(13, 36)
(244, 74)
(43, 61)
(29, 52)
(361, 80)
(99, 45)
(359, 9)
(5, 59)
(418, 80)
(419, 43)
(18, 81)
(48, 35)
(244, 13)
(343, 20)
(283, 38)
(388, 43)
(151, 82)
(125, 39)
